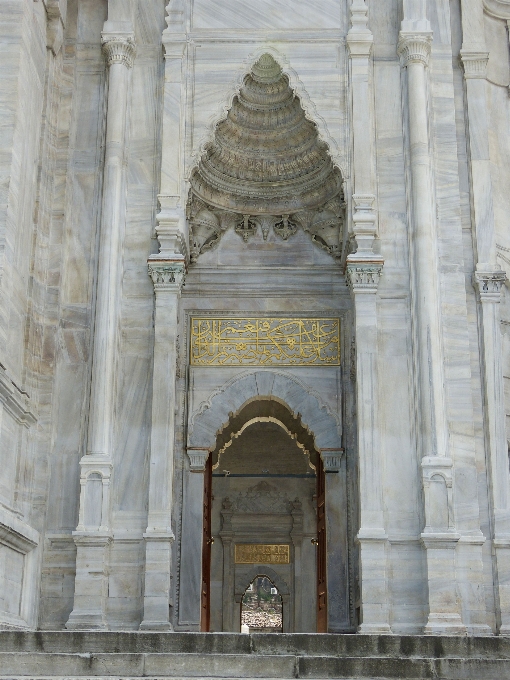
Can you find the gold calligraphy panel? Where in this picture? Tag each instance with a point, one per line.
(265, 342)
(248, 553)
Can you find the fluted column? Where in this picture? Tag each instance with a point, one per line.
(93, 534)
(488, 280)
(363, 272)
(167, 277)
(439, 536)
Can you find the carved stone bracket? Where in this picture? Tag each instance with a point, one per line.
(167, 275)
(197, 459)
(363, 277)
(474, 63)
(119, 48)
(414, 47)
(489, 284)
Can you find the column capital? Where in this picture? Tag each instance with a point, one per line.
(363, 277)
(167, 274)
(414, 47)
(359, 37)
(197, 459)
(489, 284)
(474, 63)
(118, 48)
(332, 459)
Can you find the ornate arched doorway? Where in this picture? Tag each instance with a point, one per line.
(266, 483)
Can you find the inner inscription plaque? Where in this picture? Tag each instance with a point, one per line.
(265, 342)
(248, 553)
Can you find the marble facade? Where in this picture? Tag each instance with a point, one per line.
(130, 204)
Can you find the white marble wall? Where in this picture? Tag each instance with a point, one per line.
(52, 117)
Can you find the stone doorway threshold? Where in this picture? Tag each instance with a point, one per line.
(232, 655)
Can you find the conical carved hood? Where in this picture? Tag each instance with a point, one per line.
(266, 157)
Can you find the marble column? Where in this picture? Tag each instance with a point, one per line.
(167, 276)
(93, 534)
(364, 268)
(439, 536)
(488, 280)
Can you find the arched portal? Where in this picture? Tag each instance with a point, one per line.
(263, 493)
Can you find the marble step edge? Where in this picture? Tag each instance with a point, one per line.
(297, 644)
(40, 665)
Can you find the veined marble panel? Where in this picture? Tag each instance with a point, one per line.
(285, 14)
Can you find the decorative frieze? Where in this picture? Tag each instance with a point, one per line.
(119, 48)
(474, 63)
(414, 47)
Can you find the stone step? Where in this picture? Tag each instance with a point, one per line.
(53, 665)
(55, 655)
(296, 644)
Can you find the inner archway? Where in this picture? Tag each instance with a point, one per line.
(263, 510)
(262, 607)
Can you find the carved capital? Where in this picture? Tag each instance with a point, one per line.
(363, 277)
(474, 63)
(197, 459)
(118, 48)
(414, 47)
(489, 284)
(167, 274)
(332, 459)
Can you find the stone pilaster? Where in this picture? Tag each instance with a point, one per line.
(363, 271)
(167, 277)
(363, 280)
(438, 538)
(93, 535)
(488, 280)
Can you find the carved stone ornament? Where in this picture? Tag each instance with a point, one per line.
(474, 63)
(363, 277)
(119, 48)
(266, 167)
(414, 47)
(489, 284)
(262, 497)
(167, 275)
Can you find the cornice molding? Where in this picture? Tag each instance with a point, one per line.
(414, 47)
(474, 63)
(118, 48)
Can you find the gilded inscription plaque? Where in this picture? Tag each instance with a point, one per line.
(265, 342)
(248, 553)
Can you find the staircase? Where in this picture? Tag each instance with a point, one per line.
(229, 655)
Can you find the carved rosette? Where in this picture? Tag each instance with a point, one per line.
(489, 284)
(118, 49)
(363, 277)
(474, 63)
(167, 275)
(414, 47)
